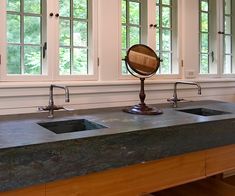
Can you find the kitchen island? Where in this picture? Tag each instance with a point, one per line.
(129, 155)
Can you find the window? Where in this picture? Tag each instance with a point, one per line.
(228, 38)
(135, 17)
(55, 45)
(74, 38)
(24, 37)
(207, 37)
(166, 35)
(131, 26)
(216, 37)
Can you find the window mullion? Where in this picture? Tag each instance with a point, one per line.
(71, 37)
(22, 35)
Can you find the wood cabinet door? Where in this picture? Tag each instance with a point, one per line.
(134, 180)
(220, 159)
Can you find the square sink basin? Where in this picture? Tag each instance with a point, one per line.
(204, 112)
(69, 126)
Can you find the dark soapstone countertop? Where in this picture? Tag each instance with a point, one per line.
(31, 154)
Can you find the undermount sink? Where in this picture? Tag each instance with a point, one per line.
(69, 126)
(203, 111)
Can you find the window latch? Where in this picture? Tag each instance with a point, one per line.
(221, 32)
(212, 57)
(44, 50)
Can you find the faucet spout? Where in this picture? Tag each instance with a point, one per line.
(66, 89)
(175, 99)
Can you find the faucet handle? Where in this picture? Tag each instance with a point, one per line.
(68, 109)
(173, 99)
(43, 108)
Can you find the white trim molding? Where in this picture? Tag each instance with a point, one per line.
(26, 97)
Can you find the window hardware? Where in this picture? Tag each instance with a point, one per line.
(44, 50)
(221, 32)
(212, 56)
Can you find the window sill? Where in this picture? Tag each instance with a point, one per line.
(11, 84)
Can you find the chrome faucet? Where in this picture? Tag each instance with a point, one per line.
(51, 106)
(174, 100)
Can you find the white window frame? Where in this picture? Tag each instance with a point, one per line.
(52, 53)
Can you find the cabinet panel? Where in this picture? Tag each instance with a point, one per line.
(134, 180)
(31, 191)
(220, 159)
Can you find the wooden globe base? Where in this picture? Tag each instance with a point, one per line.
(142, 109)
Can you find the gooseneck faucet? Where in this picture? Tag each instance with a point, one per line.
(174, 100)
(51, 106)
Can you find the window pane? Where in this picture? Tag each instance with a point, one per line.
(204, 43)
(32, 60)
(80, 33)
(123, 54)
(80, 62)
(166, 40)
(13, 5)
(227, 64)
(204, 22)
(227, 25)
(13, 60)
(32, 32)
(134, 35)
(80, 9)
(166, 2)
(204, 61)
(157, 39)
(158, 16)
(134, 12)
(166, 17)
(65, 8)
(166, 64)
(13, 28)
(65, 61)
(124, 45)
(227, 4)
(124, 69)
(204, 6)
(32, 6)
(227, 45)
(123, 11)
(65, 32)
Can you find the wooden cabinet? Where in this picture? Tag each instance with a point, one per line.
(31, 191)
(140, 179)
(220, 160)
(205, 187)
(135, 180)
